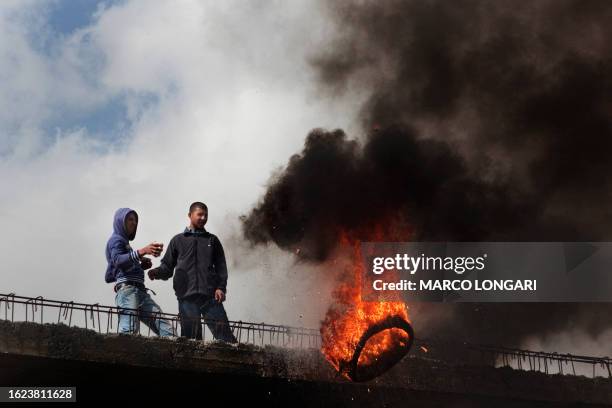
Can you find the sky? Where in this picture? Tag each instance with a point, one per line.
(153, 105)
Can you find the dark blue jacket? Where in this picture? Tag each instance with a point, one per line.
(197, 261)
(123, 261)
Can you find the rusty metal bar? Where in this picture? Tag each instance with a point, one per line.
(256, 333)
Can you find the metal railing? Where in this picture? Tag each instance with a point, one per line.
(518, 359)
(105, 320)
(546, 362)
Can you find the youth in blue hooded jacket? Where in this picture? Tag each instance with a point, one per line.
(123, 261)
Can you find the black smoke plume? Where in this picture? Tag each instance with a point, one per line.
(419, 187)
(485, 121)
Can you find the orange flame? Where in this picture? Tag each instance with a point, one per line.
(350, 316)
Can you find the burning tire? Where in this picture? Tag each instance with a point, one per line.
(358, 372)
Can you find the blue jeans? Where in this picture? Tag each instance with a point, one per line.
(132, 297)
(213, 312)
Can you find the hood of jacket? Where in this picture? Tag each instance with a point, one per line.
(119, 223)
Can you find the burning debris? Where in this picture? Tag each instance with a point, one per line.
(338, 193)
(393, 328)
(363, 339)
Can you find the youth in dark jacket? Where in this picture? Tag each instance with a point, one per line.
(196, 259)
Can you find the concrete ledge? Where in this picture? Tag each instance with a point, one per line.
(427, 377)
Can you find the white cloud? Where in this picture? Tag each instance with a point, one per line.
(235, 98)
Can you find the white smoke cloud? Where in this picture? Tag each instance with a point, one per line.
(576, 342)
(234, 97)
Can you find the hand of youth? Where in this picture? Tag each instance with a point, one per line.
(154, 248)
